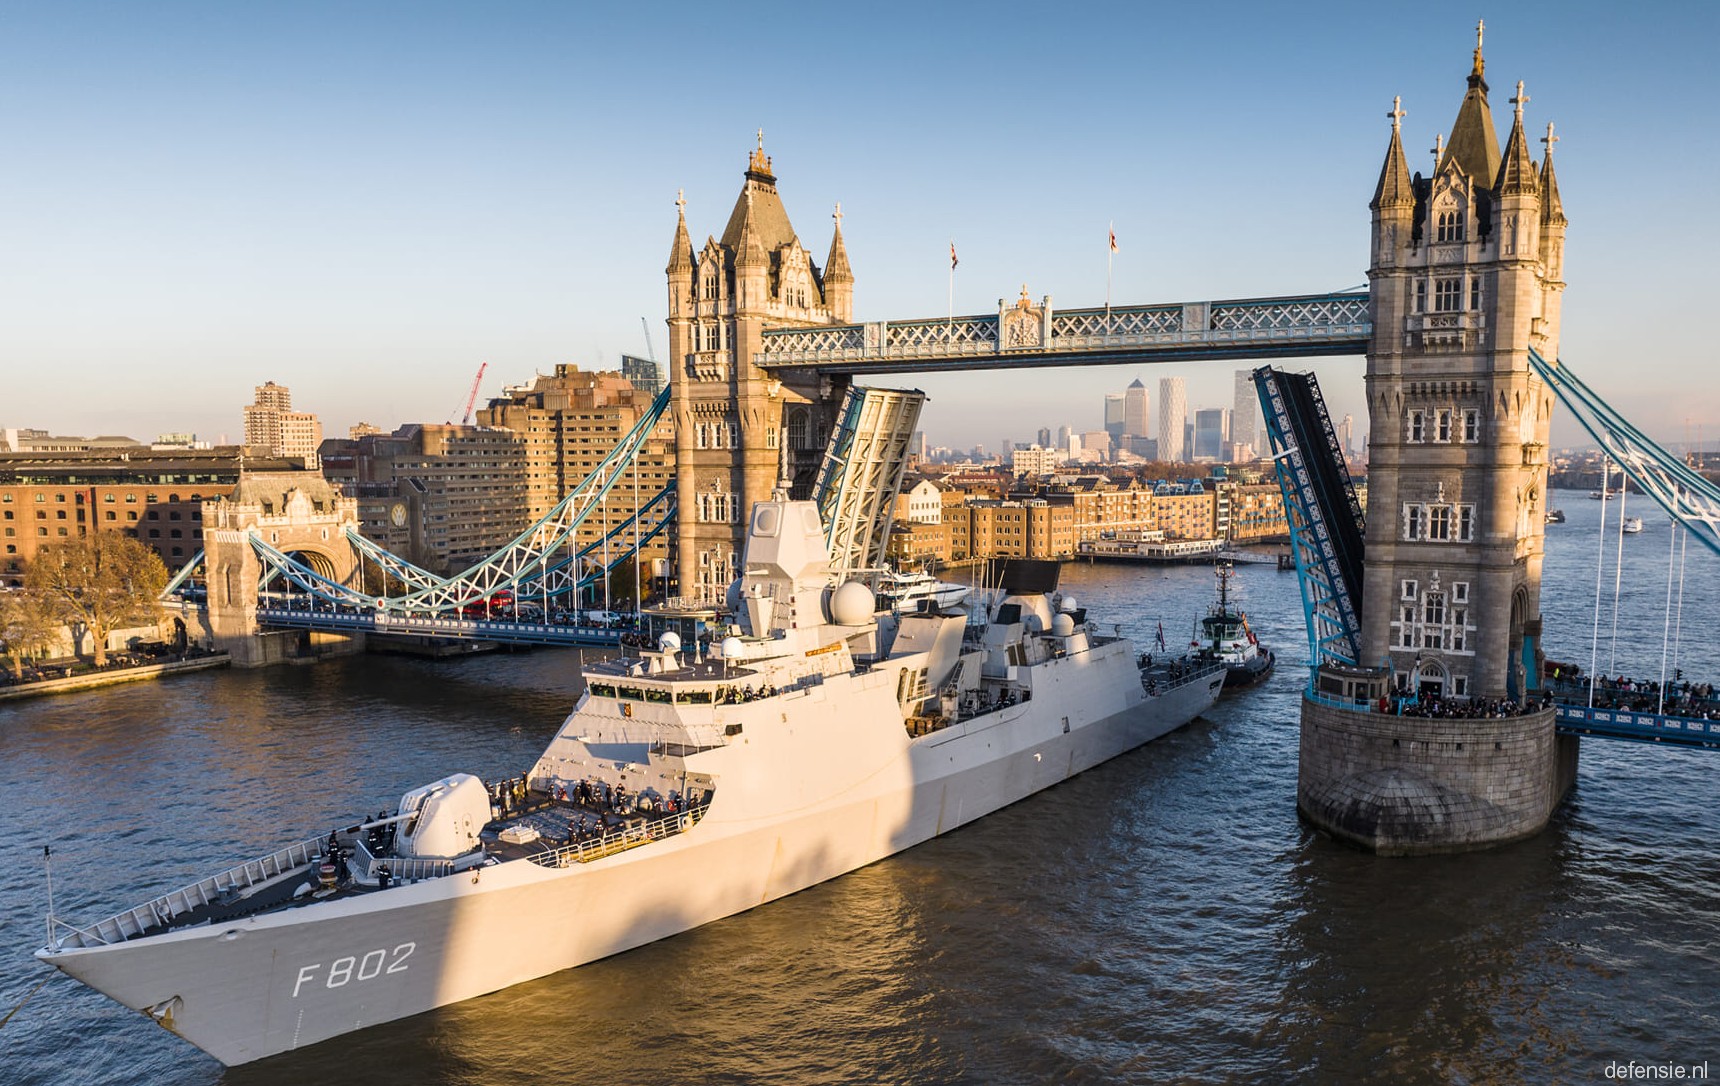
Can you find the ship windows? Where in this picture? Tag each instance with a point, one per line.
(657, 696)
(694, 697)
(602, 690)
(629, 693)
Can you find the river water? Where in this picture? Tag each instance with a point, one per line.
(1164, 917)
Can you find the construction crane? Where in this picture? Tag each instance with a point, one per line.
(650, 351)
(472, 397)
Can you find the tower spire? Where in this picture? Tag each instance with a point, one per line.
(681, 251)
(1552, 209)
(1474, 143)
(1517, 174)
(1394, 189)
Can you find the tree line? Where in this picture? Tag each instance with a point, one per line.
(99, 583)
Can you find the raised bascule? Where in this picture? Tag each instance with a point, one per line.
(1431, 599)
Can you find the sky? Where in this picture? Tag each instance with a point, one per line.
(365, 201)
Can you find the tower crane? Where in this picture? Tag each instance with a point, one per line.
(472, 397)
(650, 351)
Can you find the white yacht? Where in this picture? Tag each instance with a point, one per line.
(682, 789)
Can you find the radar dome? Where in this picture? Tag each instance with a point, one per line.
(732, 647)
(669, 642)
(1068, 606)
(852, 604)
(1063, 625)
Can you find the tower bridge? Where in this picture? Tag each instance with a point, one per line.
(1432, 599)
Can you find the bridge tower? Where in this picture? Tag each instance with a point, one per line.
(735, 425)
(295, 512)
(1466, 274)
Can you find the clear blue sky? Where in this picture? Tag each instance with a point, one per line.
(365, 201)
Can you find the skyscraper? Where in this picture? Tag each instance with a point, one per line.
(1173, 416)
(1209, 434)
(1115, 416)
(1135, 418)
(1245, 413)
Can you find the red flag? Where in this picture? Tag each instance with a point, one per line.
(1113, 240)
(953, 256)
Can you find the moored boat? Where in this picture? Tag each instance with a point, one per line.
(814, 736)
(1555, 516)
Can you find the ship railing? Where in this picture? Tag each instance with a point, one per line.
(404, 869)
(1194, 671)
(160, 912)
(621, 839)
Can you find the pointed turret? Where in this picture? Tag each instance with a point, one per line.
(681, 250)
(1552, 208)
(1394, 190)
(1474, 145)
(838, 276)
(1517, 174)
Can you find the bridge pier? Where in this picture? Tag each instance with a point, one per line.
(1408, 786)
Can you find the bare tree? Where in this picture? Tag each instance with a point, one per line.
(28, 624)
(99, 582)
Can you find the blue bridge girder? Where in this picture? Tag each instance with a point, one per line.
(279, 614)
(1687, 496)
(1034, 334)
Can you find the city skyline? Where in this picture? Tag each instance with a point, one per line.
(364, 205)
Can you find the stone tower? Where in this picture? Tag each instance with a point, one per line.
(1466, 278)
(736, 427)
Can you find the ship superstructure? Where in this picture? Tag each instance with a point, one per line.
(693, 780)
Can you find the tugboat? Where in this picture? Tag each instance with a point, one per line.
(1226, 638)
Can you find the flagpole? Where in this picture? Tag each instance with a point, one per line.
(1110, 257)
(952, 298)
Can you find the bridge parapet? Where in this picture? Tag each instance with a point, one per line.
(1028, 333)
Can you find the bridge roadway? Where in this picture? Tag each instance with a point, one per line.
(505, 631)
(1028, 333)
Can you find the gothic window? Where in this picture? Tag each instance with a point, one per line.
(1471, 424)
(797, 428)
(708, 289)
(1447, 295)
(1406, 632)
(770, 437)
(1460, 685)
(1409, 590)
(1465, 527)
(1450, 226)
(1460, 592)
(1417, 426)
(1443, 430)
(1414, 521)
(1475, 292)
(1459, 623)
(1433, 620)
(1421, 296)
(1439, 522)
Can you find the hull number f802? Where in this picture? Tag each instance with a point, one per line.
(343, 971)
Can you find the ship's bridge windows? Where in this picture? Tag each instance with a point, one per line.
(694, 697)
(629, 693)
(657, 696)
(602, 690)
